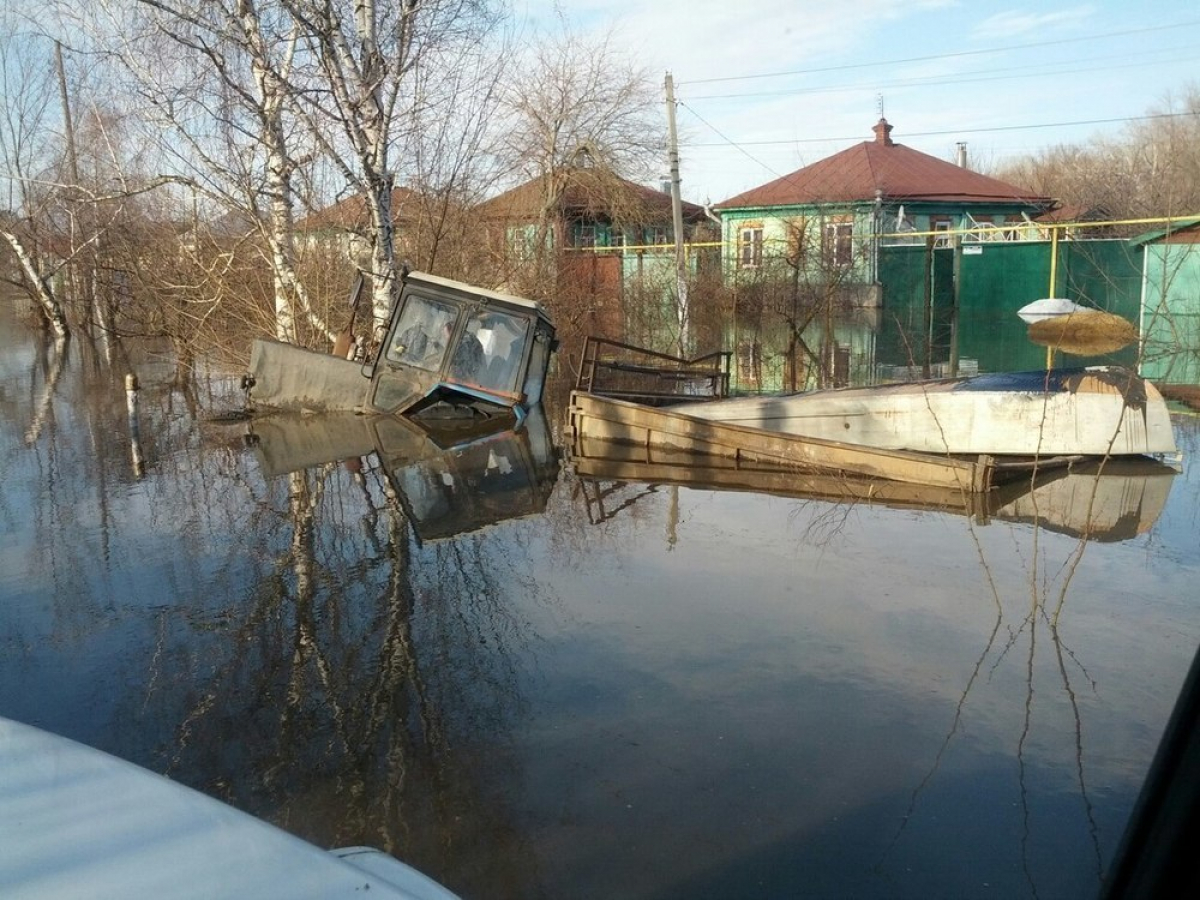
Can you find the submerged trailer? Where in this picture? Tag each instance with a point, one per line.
(962, 433)
(662, 430)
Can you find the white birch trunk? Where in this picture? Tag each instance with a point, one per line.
(271, 95)
(45, 297)
(363, 83)
(383, 260)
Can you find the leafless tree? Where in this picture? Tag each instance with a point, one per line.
(373, 66)
(1151, 169)
(211, 81)
(577, 103)
(28, 154)
(262, 98)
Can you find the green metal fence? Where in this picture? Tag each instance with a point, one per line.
(996, 280)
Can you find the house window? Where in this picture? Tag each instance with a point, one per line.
(750, 248)
(585, 236)
(839, 243)
(940, 223)
(658, 235)
(616, 238)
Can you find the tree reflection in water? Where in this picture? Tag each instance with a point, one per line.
(290, 644)
(354, 680)
(1105, 501)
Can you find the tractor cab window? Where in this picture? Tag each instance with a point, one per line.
(491, 350)
(423, 333)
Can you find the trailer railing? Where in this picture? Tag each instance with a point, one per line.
(625, 372)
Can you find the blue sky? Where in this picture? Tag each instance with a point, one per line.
(768, 86)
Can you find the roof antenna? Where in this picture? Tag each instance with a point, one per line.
(879, 100)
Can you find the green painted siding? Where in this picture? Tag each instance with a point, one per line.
(779, 225)
(1171, 318)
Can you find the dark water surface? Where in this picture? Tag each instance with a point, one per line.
(620, 691)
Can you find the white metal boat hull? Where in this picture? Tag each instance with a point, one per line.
(1099, 411)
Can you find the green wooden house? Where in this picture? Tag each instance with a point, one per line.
(829, 218)
(815, 243)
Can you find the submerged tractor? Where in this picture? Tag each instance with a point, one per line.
(451, 351)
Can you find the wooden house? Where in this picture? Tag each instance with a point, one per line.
(830, 217)
(604, 242)
(346, 226)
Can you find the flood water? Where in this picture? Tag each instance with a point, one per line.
(529, 683)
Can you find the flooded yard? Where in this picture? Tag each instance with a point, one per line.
(529, 682)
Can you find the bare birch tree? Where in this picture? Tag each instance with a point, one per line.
(369, 56)
(27, 77)
(259, 93)
(214, 77)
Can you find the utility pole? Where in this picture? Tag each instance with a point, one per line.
(81, 274)
(69, 128)
(681, 287)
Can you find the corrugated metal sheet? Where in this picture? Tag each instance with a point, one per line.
(1184, 231)
(891, 171)
(1105, 274)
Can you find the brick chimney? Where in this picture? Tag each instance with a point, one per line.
(883, 133)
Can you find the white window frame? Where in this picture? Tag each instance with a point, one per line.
(839, 243)
(750, 247)
(942, 225)
(585, 237)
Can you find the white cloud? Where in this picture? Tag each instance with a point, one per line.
(1018, 23)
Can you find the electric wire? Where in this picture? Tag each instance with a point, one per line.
(940, 56)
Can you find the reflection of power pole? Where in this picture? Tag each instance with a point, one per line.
(677, 218)
(673, 519)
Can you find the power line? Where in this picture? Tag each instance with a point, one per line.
(739, 147)
(937, 56)
(1039, 70)
(956, 131)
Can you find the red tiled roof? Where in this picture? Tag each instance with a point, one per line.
(899, 174)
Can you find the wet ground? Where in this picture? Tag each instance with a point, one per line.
(533, 683)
